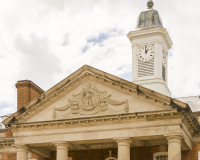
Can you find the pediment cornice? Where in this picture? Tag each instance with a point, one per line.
(148, 116)
(82, 75)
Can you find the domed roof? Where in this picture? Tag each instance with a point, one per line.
(149, 18)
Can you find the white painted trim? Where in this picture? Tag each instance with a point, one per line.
(159, 154)
(198, 155)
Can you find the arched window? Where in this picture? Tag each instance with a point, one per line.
(111, 158)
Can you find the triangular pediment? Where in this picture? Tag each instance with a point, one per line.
(90, 99)
(89, 92)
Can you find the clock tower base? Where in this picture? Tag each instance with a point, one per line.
(157, 85)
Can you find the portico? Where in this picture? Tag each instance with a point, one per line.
(103, 133)
(122, 146)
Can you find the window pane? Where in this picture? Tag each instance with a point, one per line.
(162, 157)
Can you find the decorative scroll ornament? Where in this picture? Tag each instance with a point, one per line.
(90, 101)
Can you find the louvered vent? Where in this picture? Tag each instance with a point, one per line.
(146, 68)
(163, 73)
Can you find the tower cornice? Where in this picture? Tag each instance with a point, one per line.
(149, 32)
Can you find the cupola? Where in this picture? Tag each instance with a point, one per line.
(149, 18)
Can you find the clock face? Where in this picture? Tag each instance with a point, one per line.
(146, 53)
(164, 59)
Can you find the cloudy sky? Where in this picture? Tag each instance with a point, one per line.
(46, 40)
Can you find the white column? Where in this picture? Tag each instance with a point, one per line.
(30, 155)
(62, 150)
(22, 152)
(123, 148)
(174, 147)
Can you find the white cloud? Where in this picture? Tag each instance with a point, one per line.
(44, 40)
(7, 108)
(37, 62)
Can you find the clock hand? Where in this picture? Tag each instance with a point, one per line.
(145, 49)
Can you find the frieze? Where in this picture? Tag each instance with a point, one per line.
(90, 101)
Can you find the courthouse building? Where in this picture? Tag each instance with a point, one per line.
(93, 115)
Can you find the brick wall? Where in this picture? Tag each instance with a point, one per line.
(6, 133)
(13, 156)
(3, 130)
(26, 92)
(193, 154)
(9, 134)
(197, 116)
(8, 156)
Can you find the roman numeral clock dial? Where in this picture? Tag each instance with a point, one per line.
(146, 53)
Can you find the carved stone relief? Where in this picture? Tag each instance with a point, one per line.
(90, 101)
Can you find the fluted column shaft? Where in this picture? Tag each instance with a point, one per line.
(174, 147)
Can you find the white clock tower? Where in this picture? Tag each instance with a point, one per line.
(150, 45)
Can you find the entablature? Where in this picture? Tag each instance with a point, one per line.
(152, 117)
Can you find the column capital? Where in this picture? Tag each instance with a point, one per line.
(174, 138)
(61, 143)
(122, 139)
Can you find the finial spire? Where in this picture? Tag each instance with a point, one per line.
(150, 4)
